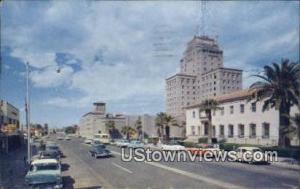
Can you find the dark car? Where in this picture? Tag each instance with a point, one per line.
(100, 151)
(54, 148)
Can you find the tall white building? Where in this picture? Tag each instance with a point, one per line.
(201, 76)
(237, 121)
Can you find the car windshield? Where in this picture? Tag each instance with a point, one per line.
(42, 167)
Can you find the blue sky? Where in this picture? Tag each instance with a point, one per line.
(107, 51)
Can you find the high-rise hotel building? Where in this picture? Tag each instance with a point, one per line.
(202, 76)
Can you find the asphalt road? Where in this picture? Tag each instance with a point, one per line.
(83, 171)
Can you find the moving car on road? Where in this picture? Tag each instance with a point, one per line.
(54, 147)
(88, 141)
(103, 138)
(135, 144)
(99, 151)
(67, 138)
(122, 143)
(44, 173)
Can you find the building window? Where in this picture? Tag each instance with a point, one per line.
(222, 111)
(206, 129)
(199, 130)
(253, 107)
(231, 109)
(241, 131)
(242, 108)
(252, 131)
(194, 114)
(230, 131)
(266, 130)
(221, 130)
(214, 131)
(193, 131)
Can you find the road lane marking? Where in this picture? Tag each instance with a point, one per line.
(191, 175)
(122, 168)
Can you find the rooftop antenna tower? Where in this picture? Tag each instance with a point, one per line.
(202, 26)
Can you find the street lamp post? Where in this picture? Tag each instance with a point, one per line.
(27, 108)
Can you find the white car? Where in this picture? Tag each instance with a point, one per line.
(172, 146)
(88, 141)
(247, 154)
(122, 143)
(44, 172)
(67, 138)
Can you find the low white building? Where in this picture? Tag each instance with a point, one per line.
(237, 121)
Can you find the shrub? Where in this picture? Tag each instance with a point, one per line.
(203, 140)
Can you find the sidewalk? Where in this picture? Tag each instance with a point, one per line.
(12, 169)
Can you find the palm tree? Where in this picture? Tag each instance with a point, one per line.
(296, 120)
(110, 127)
(280, 89)
(138, 127)
(163, 122)
(128, 132)
(208, 106)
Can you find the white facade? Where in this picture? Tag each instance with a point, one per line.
(238, 121)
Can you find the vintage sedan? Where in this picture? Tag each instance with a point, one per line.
(122, 143)
(100, 151)
(135, 144)
(251, 155)
(172, 146)
(44, 173)
(47, 154)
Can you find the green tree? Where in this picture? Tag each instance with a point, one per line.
(280, 89)
(208, 106)
(164, 121)
(128, 132)
(138, 127)
(110, 126)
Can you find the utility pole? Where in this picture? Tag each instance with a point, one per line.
(27, 108)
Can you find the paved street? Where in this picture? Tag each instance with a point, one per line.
(83, 171)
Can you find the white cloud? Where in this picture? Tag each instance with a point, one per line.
(122, 35)
(52, 76)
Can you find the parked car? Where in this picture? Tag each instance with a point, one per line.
(122, 143)
(135, 144)
(60, 138)
(249, 157)
(202, 149)
(54, 147)
(45, 173)
(47, 154)
(99, 151)
(67, 138)
(88, 141)
(172, 146)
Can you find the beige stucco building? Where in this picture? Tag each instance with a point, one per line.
(237, 121)
(202, 75)
(9, 114)
(94, 122)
